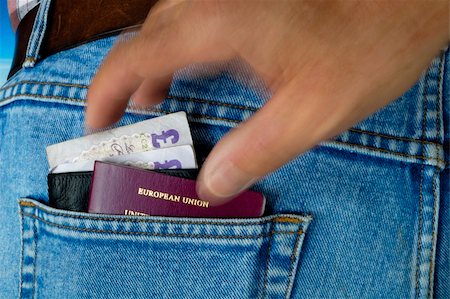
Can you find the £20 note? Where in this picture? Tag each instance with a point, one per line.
(156, 133)
(178, 157)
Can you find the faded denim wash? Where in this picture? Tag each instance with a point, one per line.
(365, 215)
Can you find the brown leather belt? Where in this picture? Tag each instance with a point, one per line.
(71, 23)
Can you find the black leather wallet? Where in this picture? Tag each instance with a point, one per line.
(70, 191)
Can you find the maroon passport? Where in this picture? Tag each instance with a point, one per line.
(118, 189)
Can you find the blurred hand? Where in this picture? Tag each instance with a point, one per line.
(328, 63)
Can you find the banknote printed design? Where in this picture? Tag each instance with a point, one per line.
(129, 144)
(157, 133)
(178, 157)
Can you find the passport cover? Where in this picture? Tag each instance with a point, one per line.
(70, 191)
(118, 189)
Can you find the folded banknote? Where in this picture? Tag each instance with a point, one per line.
(156, 133)
(178, 157)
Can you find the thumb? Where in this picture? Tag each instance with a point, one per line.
(281, 130)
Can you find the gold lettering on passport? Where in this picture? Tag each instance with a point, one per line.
(195, 202)
(173, 197)
(134, 213)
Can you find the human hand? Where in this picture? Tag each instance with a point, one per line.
(329, 64)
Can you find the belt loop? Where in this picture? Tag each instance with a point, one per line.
(39, 27)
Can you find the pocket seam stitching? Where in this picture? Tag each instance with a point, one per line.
(300, 231)
(277, 219)
(268, 261)
(291, 268)
(33, 288)
(22, 255)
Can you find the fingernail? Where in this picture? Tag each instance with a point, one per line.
(224, 182)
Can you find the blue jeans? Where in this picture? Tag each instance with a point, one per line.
(365, 215)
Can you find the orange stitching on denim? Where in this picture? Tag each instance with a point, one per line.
(433, 233)
(35, 236)
(284, 219)
(196, 115)
(22, 255)
(268, 261)
(440, 99)
(212, 102)
(435, 175)
(291, 267)
(26, 203)
(45, 97)
(44, 83)
(390, 152)
(238, 121)
(149, 110)
(419, 239)
(300, 232)
(187, 99)
(204, 236)
(392, 137)
(181, 222)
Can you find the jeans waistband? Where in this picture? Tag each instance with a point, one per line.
(56, 25)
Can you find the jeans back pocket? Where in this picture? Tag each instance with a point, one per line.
(70, 254)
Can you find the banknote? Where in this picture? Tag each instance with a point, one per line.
(178, 157)
(156, 133)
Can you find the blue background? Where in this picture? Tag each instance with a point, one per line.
(6, 42)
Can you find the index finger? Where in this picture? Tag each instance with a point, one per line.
(111, 89)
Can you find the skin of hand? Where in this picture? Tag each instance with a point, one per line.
(328, 63)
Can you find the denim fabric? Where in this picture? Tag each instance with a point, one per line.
(34, 44)
(378, 196)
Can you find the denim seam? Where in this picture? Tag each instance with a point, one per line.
(370, 133)
(37, 34)
(35, 235)
(192, 115)
(264, 294)
(22, 255)
(433, 233)
(419, 239)
(364, 132)
(44, 83)
(157, 110)
(238, 121)
(440, 100)
(291, 267)
(241, 107)
(25, 203)
(174, 97)
(211, 102)
(185, 99)
(177, 98)
(198, 236)
(390, 151)
(195, 115)
(435, 178)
